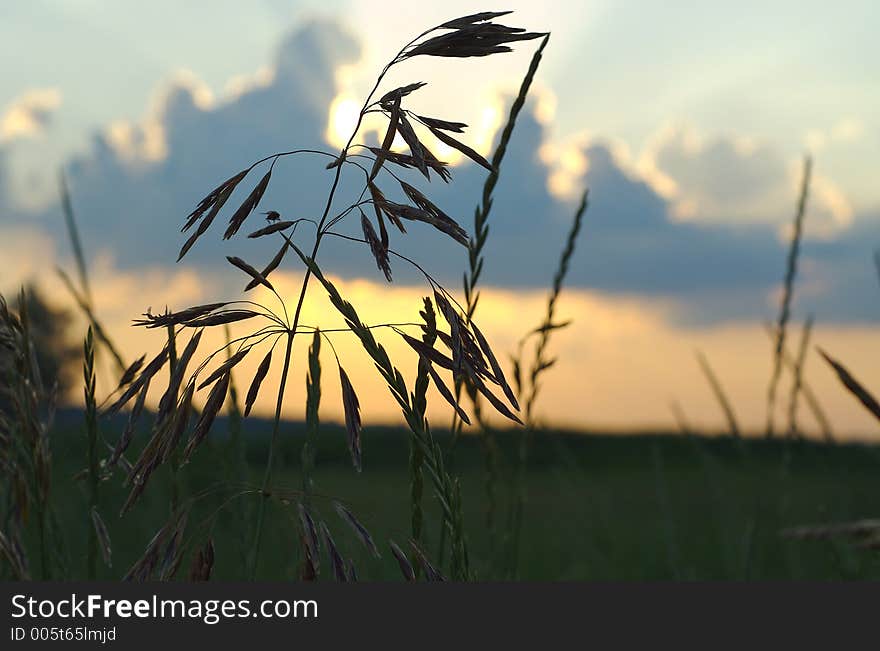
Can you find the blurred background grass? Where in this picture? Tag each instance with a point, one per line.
(598, 506)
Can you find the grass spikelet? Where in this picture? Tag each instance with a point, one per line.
(127, 434)
(180, 364)
(131, 371)
(313, 404)
(146, 375)
(249, 270)
(394, 118)
(406, 567)
(203, 563)
(212, 406)
(339, 570)
(449, 141)
(269, 268)
(430, 571)
(180, 421)
(853, 386)
(310, 536)
(222, 318)
(416, 148)
(420, 406)
(359, 529)
(103, 537)
(91, 413)
(351, 407)
(215, 201)
(249, 205)
(225, 367)
(271, 228)
(308, 570)
(256, 383)
(496, 367)
(176, 318)
(480, 17)
(447, 394)
(145, 566)
(379, 251)
(11, 552)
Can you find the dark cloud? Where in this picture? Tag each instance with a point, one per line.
(134, 205)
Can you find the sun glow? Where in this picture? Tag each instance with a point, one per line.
(342, 119)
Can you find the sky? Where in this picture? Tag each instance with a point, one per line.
(686, 121)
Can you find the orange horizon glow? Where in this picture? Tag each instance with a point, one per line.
(620, 364)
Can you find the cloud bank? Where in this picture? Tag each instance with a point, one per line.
(695, 221)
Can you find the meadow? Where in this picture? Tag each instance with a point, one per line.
(608, 507)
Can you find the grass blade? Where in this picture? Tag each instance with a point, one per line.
(787, 294)
(853, 386)
(720, 395)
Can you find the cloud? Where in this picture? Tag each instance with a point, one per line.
(736, 179)
(30, 114)
(844, 131)
(138, 180)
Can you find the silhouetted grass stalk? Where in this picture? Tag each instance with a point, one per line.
(473, 35)
(787, 295)
(174, 461)
(313, 402)
(83, 297)
(420, 405)
(529, 391)
(856, 388)
(476, 245)
(720, 395)
(807, 392)
(798, 379)
(91, 417)
(265, 489)
(447, 489)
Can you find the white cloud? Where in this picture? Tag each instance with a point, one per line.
(845, 131)
(29, 114)
(148, 139)
(736, 179)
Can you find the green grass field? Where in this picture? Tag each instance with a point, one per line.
(598, 507)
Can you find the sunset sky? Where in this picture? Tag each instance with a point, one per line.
(687, 122)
